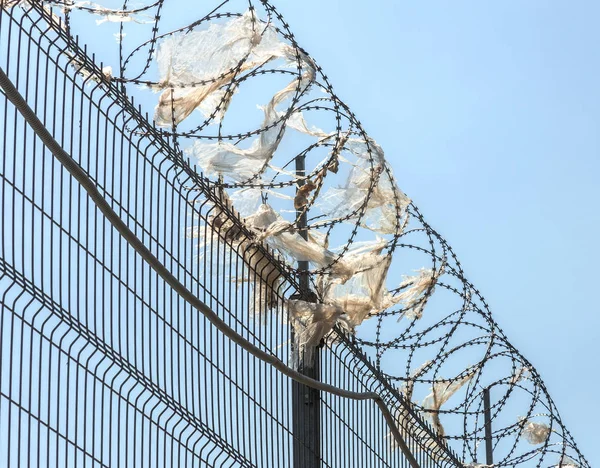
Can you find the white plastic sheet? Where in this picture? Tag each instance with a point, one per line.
(383, 202)
(441, 392)
(107, 14)
(224, 158)
(260, 271)
(279, 234)
(520, 374)
(566, 462)
(416, 287)
(365, 293)
(198, 63)
(535, 433)
(312, 322)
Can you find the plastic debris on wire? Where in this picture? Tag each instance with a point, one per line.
(108, 14)
(416, 289)
(406, 390)
(566, 462)
(312, 322)
(520, 374)
(238, 96)
(441, 392)
(534, 432)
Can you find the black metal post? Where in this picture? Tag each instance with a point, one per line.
(489, 456)
(306, 403)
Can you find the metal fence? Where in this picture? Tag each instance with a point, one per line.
(102, 363)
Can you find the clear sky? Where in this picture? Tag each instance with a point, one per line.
(489, 114)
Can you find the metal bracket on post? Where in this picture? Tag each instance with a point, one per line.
(306, 401)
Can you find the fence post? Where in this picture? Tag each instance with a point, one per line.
(489, 456)
(306, 401)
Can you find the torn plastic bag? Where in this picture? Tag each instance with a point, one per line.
(312, 322)
(198, 63)
(408, 386)
(265, 277)
(259, 270)
(278, 234)
(440, 394)
(566, 462)
(223, 158)
(108, 15)
(385, 203)
(534, 432)
(416, 292)
(365, 293)
(520, 374)
(248, 200)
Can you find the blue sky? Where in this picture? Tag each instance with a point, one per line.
(489, 114)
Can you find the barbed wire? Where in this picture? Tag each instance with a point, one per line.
(344, 214)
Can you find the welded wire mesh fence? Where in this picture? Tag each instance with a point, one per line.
(102, 363)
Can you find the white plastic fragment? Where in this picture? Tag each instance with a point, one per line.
(107, 72)
(312, 322)
(296, 121)
(86, 72)
(224, 158)
(201, 64)
(108, 15)
(365, 293)
(382, 202)
(441, 392)
(196, 64)
(408, 386)
(271, 228)
(259, 270)
(265, 277)
(566, 462)
(416, 287)
(520, 374)
(534, 432)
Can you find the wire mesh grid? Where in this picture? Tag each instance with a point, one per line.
(102, 364)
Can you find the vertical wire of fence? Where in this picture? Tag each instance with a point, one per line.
(101, 362)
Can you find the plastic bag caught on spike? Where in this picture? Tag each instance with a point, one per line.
(258, 270)
(408, 387)
(276, 232)
(197, 63)
(248, 200)
(109, 15)
(416, 288)
(385, 203)
(534, 432)
(223, 158)
(312, 322)
(441, 392)
(520, 374)
(265, 277)
(566, 462)
(365, 293)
